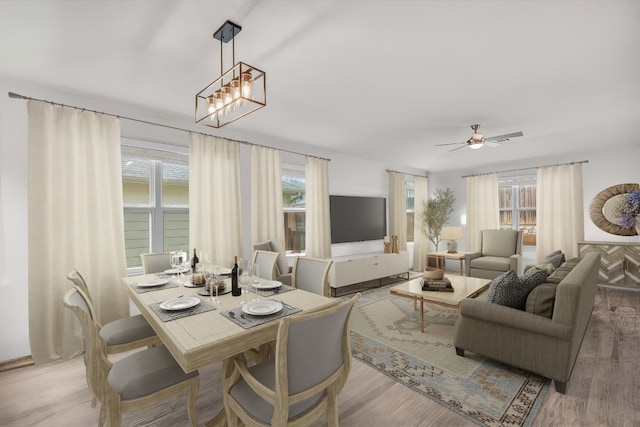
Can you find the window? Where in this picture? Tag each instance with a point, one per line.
(518, 210)
(294, 206)
(156, 202)
(410, 210)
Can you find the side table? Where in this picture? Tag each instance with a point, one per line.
(441, 256)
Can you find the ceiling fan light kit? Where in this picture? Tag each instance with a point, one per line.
(239, 91)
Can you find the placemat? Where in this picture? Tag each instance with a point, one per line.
(270, 292)
(247, 321)
(166, 315)
(168, 285)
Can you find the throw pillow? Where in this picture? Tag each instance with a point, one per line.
(542, 299)
(561, 272)
(556, 260)
(556, 252)
(531, 279)
(507, 290)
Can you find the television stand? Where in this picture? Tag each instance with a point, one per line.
(365, 270)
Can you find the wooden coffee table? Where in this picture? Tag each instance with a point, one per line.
(463, 287)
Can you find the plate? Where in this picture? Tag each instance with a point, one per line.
(189, 284)
(181, 303)
(262, 308)
(151, 283)
(177, 270)
(267, 284)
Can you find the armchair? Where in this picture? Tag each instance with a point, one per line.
(501, 251)
(283, 271)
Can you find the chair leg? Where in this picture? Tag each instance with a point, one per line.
(560, 387)
(460, 351)
(332, 407)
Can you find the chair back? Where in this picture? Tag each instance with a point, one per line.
(266, 264)
(501, 243)
(282, 266)
(312, 274)
(156, 262)
(96, 362)
(78, 281)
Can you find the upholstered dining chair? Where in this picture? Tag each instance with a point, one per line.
(311, 274)
(142, 379)
(123, 334)
(156, 262)
(303, 380)
(266, 264)
(283, 271)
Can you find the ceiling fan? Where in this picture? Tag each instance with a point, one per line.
(478, 140)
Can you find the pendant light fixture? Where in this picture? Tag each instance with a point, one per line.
(240, 90)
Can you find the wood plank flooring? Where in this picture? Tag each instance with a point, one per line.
(603, 391)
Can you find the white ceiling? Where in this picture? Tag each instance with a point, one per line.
(378, 79)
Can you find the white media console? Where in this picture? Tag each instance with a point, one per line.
(357, 268)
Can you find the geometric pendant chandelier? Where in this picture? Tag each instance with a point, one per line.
(240, 90)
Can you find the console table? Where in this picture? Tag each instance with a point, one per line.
(619, 262)
(359, 268)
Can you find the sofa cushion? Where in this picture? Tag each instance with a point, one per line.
(507, 290)
(561, 272)
(499, 243)
(542, 299)
(533, 278)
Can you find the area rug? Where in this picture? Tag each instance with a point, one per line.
(385, 334)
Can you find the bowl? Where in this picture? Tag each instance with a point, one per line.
(433, 273)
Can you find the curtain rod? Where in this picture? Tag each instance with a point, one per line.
(406, 173)
(18, 96)
(532, 167)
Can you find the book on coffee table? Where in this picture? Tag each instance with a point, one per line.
(442, 285)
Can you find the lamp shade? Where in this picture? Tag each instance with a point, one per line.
(451, 233)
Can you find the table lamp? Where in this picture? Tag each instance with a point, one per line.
(451, 234)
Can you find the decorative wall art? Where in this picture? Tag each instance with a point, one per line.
(616, 209)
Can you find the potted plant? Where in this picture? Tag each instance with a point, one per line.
(435, 213)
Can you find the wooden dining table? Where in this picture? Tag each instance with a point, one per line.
(201, 339)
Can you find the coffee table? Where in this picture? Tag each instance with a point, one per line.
(463, 287)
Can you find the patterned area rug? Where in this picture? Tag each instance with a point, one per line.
(385, 334)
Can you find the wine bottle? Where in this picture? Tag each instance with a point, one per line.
(194, 262)
(235, 289)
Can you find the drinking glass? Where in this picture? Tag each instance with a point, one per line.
(245, 280)
(255, 278)
(213, 277)
(173, 259)
(181, 260)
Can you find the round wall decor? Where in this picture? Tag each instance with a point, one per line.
(601, 208)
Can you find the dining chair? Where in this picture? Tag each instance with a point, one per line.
(266, 264)
(123, 334)
(311, 274)
(303, 380)
(156, 262)
(142, 379)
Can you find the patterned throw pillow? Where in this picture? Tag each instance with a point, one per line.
(507, 290)
(533, 278)
(556, 260)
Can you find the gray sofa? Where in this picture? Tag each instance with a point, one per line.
(532, 341)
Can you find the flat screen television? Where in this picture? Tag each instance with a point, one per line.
(356, 219)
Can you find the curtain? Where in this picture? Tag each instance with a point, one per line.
(560, 208)
(267, 218)
(76, 221)
(398, 208)
(420, 241)
(483, 208)
(215, 216)
(317, 223)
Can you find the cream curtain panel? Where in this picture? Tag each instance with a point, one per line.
(398, 208)
(560, 210)
(317, 222)
(215, 216)
(483, 208)
(420, 241)
(76, 221)
(267, 218)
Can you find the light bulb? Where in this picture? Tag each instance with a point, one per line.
(247, 85)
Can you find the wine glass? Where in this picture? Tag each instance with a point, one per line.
(213, 277)
(173, 259)
(181, 260)
(245, 280)
(255, 278)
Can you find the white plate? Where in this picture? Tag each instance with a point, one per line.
(151, 283)
(181, 303)
(225, 271)
(267, 284)
(262, 308)
(177, 270)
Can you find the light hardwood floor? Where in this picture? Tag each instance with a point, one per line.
(603, 391)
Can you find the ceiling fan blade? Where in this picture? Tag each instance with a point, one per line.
(451, 143)
(503, 138)
(462, 146)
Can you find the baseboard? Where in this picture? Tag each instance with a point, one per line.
(20, 362)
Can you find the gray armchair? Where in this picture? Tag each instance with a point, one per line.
(501, 251)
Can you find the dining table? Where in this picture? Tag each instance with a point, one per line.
(215, 332)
